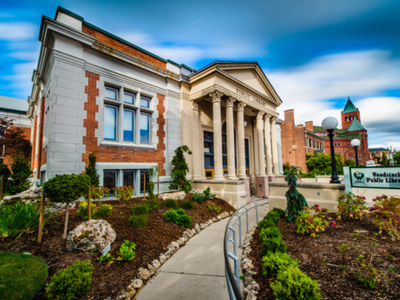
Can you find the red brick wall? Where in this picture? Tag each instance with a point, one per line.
(346, 124)
(123, 47)
(119, 154)
(310, 126)
(41, 153)
(348, 151)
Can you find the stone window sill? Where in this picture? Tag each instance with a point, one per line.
(127, 145)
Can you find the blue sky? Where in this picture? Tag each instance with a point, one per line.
(316, 53)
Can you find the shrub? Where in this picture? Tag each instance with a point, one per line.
(152, 204)
(279, 211)
(5, 171)
(138, 210)
(17, 217)
(98, 192)
(207, 193)
(104, 210)
(270, 233)
(351, 206)
(387, 215)
(71, 283)
(273, 263)
(199, 197)
(213, 208)
(186, 204)
(178, 217)
(126, 251)
(180, 169)
(274, 216)
(273, 245)
(292, 283)
(21, 170)
(311, 223)
(97, 212)
(170, 203)
(106, 259)
(150, 187)
(295, 200)
(124, 193)
(91, 170)
(138, 221)
(266, 222)
(67, 188)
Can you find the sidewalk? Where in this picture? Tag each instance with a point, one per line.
(197, 270)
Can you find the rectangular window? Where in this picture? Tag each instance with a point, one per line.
(110, 123)
(129, 178)
(144, 102)
(111, 93)
(208, 150)
(144, 128)
(246, 153)
(129, 121)
(42, 177)
(110, 179)
(129, 98)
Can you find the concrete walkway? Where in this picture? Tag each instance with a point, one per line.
(197, 270)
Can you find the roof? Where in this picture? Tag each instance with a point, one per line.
(381, 149)
(70, 13)
(348, 136)
(355, 126)
(15, 105)
(337, 130)
(349, 107)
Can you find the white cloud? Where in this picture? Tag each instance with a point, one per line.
(20, 79)
(14, 31)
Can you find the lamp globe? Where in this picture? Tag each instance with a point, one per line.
(329, 123)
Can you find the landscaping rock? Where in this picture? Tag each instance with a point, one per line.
(28, 195)
(253, 286)
(175, 245)
(190, 232)
(219, 217)
(186, 236)
(209, 222)
(214, 219)
(144, 274)
(156, 264)
(197, 228)
(152, 270)
(194, 231)
(252, 295)
(131, 292)
(137, 283)
(203, 226)
(93, 235)
(175, 196)
(123, 295)
(55, 207)
(249, 272)
(162, 258)
(247, 280)
(181, 241)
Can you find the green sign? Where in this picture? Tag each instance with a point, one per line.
(375, 177)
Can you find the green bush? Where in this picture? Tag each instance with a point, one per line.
(199, 197)
(273, 263)
(207, 193)
(91, 171)
(21, 170)
(126, 251)
(180, 169)
(66, 188)
(150, 187)
(138, 221)
(279, 211)
(292, 283)
(5, 171)
(266, 222)
(186, 204)
(214, 208)
(270, 233)
(273, 245)
(17, 217)
(71, 283)
(178, 217)
(274, 216)
(152, 204)
(170, 203)
(138, 210)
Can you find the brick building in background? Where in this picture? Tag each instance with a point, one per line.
(351, 129)
(15, 109)
(298, 140)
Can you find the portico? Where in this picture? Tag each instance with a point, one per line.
(220, 104)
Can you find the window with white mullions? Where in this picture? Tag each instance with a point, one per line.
(129, 125)
(110, 123)
(144, 128)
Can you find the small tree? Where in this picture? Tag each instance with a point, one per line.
(91, 170)
(349, 163)
(153, 171)
(396, 158)
(21, 170)
(384, 159)
(12, 140)
(66, 189)
(295, 200)
(180, 169)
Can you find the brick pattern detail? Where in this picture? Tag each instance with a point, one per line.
(101, 37)
(40, 158)
(119, 154)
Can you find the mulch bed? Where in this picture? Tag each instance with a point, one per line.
(320, 260)
(108, 281)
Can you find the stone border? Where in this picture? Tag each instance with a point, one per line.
(251, 287)
(145, 274)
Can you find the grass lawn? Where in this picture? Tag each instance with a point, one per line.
(21, 275)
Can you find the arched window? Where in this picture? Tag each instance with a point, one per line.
(345, 119)
(350, 118)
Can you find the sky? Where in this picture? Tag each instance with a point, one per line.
(316, 53)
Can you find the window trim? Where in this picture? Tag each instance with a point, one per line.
(115, 125)
(111, 88)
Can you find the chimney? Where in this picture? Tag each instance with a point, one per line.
(289, 116)
(300, 126)
(310, 126)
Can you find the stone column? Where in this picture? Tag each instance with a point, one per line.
(196, 148)
(275, 155)
(241, 149)
(218, 170)
(255, 146)
(261, 158)
(230, 139)
(267, 133)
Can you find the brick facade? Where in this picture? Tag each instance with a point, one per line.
(119, 154)
(40, 159)
(347, 118)
(101, 37)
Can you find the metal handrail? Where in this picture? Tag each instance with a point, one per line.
(233, 279)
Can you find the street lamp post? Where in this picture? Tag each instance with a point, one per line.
(356, 143)
(329, 124)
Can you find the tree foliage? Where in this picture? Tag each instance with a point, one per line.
(21, 171)
(295, 200)
(180, 169)
(67, 188)
(91, 170)
(350, 163)
(384, 159)
(12, 140)
(321, 163)
(397, 158)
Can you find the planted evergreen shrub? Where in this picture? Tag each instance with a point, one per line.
(295, 200)
(273, 263)
(273, 245)
(91, 171)
(21, 170)
(180, 169)
(178, 217)
(139, 221)
(152, 204)
(71, 283)
(280, 212)
(5, 171)
(292, 283)
(186, 204)
(199, 197)
(266, 222)
(170, 203)
(138, 210)
(274, 216)
(270, 233)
